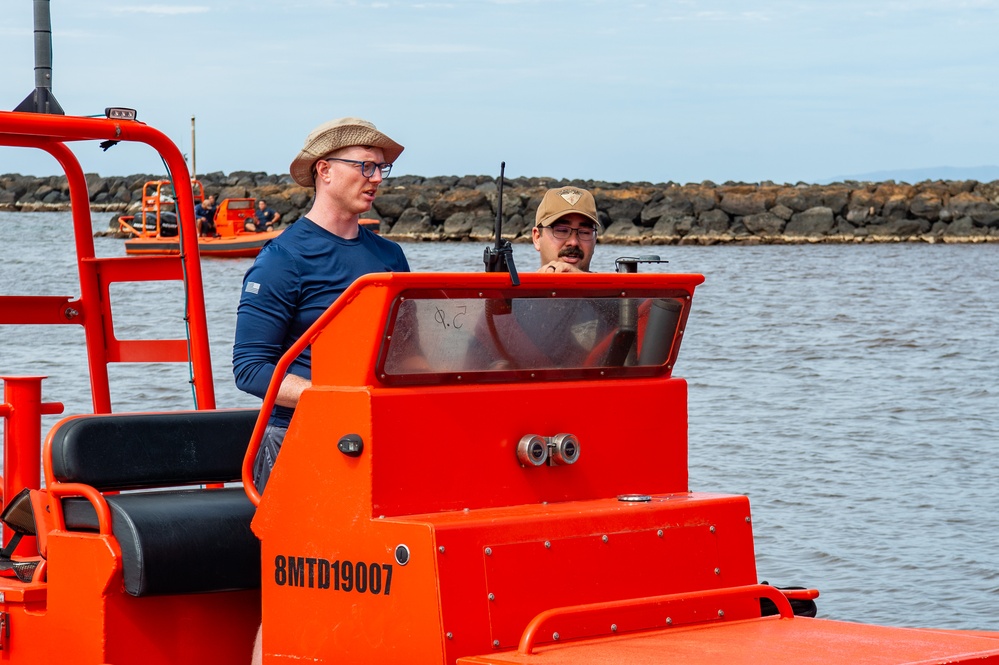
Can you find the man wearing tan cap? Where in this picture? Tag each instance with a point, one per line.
(565, 232)
(299, 274)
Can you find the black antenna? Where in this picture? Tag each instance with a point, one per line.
(500, 257)
(41, 99)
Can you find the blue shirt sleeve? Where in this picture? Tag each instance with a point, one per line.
(267, 305)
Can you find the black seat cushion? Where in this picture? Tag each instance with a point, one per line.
(135, 450)
(179, 541)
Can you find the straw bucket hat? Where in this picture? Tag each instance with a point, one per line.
(336, 134)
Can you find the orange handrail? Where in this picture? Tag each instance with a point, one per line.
(652, 609)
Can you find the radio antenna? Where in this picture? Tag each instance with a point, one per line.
(500, 257)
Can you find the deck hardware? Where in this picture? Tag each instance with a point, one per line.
(634, 498)
(450, 635)
(496, 644)
(748, 519)
(717, 571)
(351, 445)
(721, 614)
(712, 528)
(401, 554)
(563, 449)
(660, 533)
(604, 538)
(532, 450)
(613, 627)
(669, 621)
(71, 313)
(548, 544)
(555, 636)
(489, 551)
(492, 596)
(441, 549)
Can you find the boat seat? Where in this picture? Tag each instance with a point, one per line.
(174, 538)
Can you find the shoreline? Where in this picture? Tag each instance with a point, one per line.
(453, 208)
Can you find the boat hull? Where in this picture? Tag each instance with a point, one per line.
(240, 246)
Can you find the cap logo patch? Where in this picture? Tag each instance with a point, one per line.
(570, 196)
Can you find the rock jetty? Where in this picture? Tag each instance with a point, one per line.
(464, 208)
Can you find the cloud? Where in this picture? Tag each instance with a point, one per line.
(163, 10)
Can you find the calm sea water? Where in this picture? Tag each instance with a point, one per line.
(852, 392)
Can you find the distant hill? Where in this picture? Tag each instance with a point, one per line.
(979, 173)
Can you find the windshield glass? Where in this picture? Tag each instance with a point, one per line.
(474, 339)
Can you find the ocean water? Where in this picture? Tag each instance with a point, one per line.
(852, 392)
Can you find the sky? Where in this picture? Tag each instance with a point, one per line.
(612, 90)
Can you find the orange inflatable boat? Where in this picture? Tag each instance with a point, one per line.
(155, 230)
(445, 494)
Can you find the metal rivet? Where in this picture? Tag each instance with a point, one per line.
(717, 571)
(492, 596)
(555, 636)
(495, 644)
(712, 529)
(721, 613)
(489, 551)
(669, 621)
(441, 549)
(604, 538)
(748, 519)
(660, 533)
(450, 635)
(613, 627)
(548, 544)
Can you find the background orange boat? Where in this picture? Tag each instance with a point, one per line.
(155, 229)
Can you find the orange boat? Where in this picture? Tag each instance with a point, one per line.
(403, 522)
(155, 230)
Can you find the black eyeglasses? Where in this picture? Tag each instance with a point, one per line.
(563, 232)
(367, 168)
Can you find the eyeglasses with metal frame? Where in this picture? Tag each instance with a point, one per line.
(563, 232)
(367, 168)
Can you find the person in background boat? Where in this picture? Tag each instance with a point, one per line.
(204, 216)
(264, 219)
(565, 231)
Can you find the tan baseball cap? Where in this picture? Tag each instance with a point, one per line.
(336, 134)
(561, 201)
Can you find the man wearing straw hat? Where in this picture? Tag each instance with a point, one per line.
(299, 274)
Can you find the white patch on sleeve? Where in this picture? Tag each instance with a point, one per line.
(252, 287)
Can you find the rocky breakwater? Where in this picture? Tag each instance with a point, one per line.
(464, 208)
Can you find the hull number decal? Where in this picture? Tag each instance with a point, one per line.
(316, 573)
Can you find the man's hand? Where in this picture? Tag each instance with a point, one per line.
(558, 266)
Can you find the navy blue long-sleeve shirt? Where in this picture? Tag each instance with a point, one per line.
(294, 279)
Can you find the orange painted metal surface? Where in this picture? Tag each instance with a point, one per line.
(479, 558)
(72, 607)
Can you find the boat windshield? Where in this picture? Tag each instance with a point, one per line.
(454, 338)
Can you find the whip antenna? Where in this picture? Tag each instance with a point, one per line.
(500, 257)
